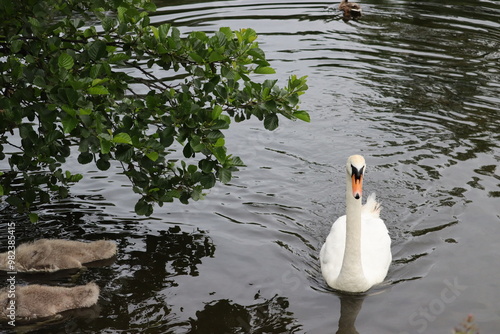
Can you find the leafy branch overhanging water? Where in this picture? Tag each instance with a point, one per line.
(128, 91)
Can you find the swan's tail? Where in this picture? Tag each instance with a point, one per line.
(372, 207)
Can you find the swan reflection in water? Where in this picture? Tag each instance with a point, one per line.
(350, 305)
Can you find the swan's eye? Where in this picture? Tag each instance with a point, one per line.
(357, 173)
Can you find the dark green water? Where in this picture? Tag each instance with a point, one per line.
(414, 87)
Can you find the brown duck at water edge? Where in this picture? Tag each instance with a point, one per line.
(351, 10)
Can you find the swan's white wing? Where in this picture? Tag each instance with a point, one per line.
(332, 252)
(376, 254)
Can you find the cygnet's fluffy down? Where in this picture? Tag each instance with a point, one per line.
(53, 254)
(40, 301)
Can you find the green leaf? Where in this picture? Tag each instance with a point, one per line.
(269, 83)
(143, 208)
(227, 32)
(197, 146)
(220, 142)
(264, 70)
(271, 122)
(65, 61)
(69, 124)
(118, 57)
(16, 45)
(98, 90)
(69, 95)
(85, 158)
(122, 138)
(192, 169)
(214, 135)
(188, 151)
(99, 81)
(85, 112)
(70, 111)
(89, 32)
(97, 50)
(302, 115)
(163, 31)
(103, 164)
(216, 112)
(220, 153)
(33, 217)
(153, 156)
(257, 53)
(238, 162)
(39, 81)
(167, 136)
(207, 166)
(105, 145)
(208, 181)
(224, 175)
(108, 23)
(15, 201)
(34, 22)
(197, 58)
(72, 177)
(124, 153)
(121, 13)
(197, 194)
(30, 196)
(215, 56)
(63, 192)
(150, 7)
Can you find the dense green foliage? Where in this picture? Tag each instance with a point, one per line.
(86, 73)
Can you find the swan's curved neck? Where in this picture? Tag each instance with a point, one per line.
(352, 269)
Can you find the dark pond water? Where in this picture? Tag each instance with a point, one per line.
(414, 87)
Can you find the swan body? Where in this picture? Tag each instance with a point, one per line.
(357, 252)
(53, 254)
(350, 9)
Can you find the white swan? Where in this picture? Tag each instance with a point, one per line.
(357, 252)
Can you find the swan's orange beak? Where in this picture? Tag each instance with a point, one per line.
(357, 185)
